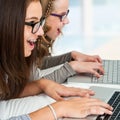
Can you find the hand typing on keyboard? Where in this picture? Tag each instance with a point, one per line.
(115, 103)
(111, 75)
(88, 67)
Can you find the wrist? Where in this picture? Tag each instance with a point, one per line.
(73, 55)
(59, 109)
(73, 65)
(43, 84)
(53, 111)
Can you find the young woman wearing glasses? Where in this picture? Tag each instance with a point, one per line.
(55, 13)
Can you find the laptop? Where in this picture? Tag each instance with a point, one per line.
(111, 78)
(105, 94)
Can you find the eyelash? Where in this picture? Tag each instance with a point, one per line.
(32, 22)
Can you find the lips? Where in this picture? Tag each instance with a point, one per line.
(32, 42)
(59, 30)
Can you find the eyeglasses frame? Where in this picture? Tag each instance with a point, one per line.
(42, 21)
(61, 16)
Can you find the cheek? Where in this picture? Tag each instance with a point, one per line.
(53, 22)
(25, 39)
(26, 36)
(54, 25)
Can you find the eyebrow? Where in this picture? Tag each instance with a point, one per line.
(62, 13)
(32, 18)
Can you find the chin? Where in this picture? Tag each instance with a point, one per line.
(28, 54)
(53, 37)
(56, 36)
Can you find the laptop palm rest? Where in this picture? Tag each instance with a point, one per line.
(80, 78)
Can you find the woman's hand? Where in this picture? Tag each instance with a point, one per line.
(94, 68)
(58, 91)
(77, 56)
(81, 107)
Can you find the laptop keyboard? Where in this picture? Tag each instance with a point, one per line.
(115, 103)
(112, 73)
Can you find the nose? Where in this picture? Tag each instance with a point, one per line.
(40, 32)
(66, 21)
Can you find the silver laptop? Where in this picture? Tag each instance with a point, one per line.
(103, 93)
(111, 78)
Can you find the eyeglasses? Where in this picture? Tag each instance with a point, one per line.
(62, 17)
(36, 25)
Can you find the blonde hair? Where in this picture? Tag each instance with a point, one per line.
(47, 8)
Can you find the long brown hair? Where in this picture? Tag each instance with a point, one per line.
(14, 67)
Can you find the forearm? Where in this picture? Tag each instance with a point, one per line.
(41, 114)
(32, 88)
(47, 114)
(52, 61)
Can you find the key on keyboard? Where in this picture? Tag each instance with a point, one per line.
(115, 103)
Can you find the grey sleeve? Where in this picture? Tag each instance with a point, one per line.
(51, 61)
(22, 117)
(61, 74)
(38, 73)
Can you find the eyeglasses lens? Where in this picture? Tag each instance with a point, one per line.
(37, 25)
(64, 16)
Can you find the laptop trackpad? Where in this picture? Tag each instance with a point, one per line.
(103, 93)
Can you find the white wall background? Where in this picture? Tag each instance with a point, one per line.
(94, 28)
